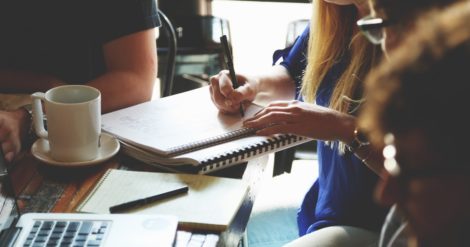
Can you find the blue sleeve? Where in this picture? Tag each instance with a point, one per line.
(294, 58)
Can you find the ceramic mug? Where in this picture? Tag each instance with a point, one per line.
(73, 121)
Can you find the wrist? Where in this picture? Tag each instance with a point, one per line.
(358, 141)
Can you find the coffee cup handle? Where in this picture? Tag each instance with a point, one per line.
(38, 115)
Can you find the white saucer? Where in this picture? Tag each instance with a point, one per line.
(109, 147)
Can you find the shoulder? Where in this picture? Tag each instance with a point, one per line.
(123, 17)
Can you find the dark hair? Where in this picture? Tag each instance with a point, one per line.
(407, 10)
(425, 85)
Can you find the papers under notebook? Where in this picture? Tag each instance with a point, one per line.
(187, 129)
(210, 204)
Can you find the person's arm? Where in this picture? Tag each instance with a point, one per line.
(278, 83)
(131, 63)
(370, 156)
(313, 121)
(275, 84)
(132, 67)
(21, 81)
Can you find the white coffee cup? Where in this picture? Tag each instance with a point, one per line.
(73, 121)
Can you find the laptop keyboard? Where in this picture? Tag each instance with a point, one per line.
(48, 233)
(190, 239)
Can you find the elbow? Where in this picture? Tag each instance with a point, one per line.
(145, 88)
(146, 82)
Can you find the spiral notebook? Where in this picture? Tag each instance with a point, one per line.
(186, 132)
(211, 203)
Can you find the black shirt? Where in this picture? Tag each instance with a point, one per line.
(64, 38)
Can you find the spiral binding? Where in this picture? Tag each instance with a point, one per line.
(193, 146)
(237, 156)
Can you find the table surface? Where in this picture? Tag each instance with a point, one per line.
(43, 188)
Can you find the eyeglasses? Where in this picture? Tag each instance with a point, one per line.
(392, 166)
(372, 28)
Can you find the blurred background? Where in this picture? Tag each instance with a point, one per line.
(254, 28)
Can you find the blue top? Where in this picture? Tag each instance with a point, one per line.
(343, 192)
(295, 59)
(65, 38)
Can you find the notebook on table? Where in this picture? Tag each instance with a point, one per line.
(210, 204)
(74, 229)
(186, 132)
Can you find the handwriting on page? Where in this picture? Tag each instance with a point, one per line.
(177, 122)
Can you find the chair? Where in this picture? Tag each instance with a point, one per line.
(294, 29)
(168, 77)
(199, 53)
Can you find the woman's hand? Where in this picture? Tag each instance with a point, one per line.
(304, 119)
(225, 97)
(13, 127)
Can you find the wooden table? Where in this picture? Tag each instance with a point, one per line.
(43, 188)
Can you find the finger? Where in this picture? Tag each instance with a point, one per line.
(274, 129)
(9, 156)
(10, 149)
(214, 83)
(222, 89)
(268, 110)
(254, 117)
(225, 84)
(242, 93)
(283, 103)
(269, 119)
(216, 96)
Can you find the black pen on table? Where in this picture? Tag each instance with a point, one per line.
(231, 69)
(144, 201)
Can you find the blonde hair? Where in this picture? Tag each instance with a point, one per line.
(334, 37)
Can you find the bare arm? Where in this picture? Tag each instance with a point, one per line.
(19, 81)
(316, 122)
(131, 63)
(274, 84)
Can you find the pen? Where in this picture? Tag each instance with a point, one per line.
(229, 61)
(141, 202)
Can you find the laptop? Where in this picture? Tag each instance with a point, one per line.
(77, 229)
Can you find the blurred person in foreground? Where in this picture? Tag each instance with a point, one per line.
(416, 113)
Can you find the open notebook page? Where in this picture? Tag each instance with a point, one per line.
(210, 204)
(165, 124)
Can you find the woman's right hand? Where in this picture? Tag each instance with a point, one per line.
(225, 97)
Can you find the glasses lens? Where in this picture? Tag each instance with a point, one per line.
(375, 36)
(372, 28)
